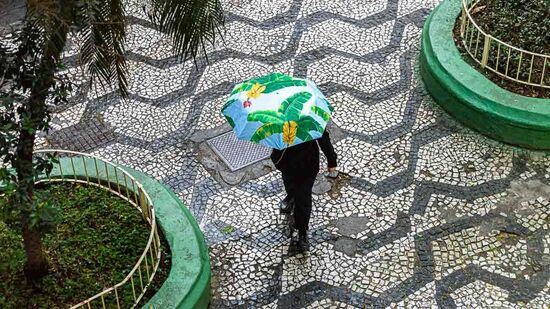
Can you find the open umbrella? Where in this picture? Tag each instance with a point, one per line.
(277, 110)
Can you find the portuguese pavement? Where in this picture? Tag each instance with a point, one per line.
(426, 214)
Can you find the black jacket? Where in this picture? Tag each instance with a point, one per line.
(303, 159)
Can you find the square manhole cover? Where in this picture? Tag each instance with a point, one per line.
(237, 153)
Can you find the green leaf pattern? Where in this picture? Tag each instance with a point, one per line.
(272, 87)
(266, 117)
(310, 124)
(266, 131)
(303, 134)
(230, 121)
(272, 82)
(320, 112)
(290, 110)
(292, 107)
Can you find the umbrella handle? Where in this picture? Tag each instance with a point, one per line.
(278, 161)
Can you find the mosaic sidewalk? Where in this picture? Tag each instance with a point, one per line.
(426, 213)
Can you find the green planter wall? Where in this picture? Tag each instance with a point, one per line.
(472, 98)
(188, 283)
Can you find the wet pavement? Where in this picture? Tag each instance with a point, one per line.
(425, 214)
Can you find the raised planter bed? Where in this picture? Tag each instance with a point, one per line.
(472, 98)
(188, 281)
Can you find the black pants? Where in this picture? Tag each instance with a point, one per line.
(300, 188)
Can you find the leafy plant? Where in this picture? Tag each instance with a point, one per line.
(30, 85)
(522, 23)
(94, 246)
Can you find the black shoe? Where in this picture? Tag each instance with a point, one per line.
(302, 245)
(286, 205)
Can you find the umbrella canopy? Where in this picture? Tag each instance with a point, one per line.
(277, 110)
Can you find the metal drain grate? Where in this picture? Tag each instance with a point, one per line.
(237, 153)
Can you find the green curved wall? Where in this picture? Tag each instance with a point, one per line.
(472, 98)
(188, 282)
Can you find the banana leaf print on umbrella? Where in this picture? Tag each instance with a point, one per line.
(286, 121)
(277, 111)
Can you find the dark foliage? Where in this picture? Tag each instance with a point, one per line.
(96, 244)
(521, 23)
(30, 84)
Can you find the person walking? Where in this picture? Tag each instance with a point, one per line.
(285, 113)
(299, 166)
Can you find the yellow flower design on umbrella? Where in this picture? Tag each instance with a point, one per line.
(253, 93)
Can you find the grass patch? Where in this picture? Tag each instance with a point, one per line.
(98, 242)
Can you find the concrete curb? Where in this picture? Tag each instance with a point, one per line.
(188, 283)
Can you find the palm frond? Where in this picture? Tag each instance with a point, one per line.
(102, 28)
(43, 25)
(44, 13)
(40, 43)
(189, 23)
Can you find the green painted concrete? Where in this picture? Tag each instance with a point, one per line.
(472, 98)
(188, 282)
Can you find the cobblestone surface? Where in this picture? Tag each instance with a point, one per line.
(427, 214)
